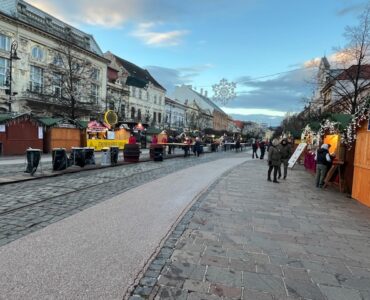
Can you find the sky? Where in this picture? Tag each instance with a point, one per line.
(269, 48)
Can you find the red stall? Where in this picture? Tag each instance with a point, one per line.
(18, 132)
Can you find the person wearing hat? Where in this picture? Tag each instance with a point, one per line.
(274, 160)
(286, 152)
(323, 161)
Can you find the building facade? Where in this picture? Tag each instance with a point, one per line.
(187, 95)
(146, 100)
(56, 68)
(175, 115)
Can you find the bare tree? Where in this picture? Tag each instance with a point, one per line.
(353, 81)
(72, 82)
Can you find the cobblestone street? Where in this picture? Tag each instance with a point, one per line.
(28, 206)
(247, 238)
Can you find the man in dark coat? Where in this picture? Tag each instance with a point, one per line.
(274, 160)
(262, 149)
(286, 153)
(254, 148)
(323, 161)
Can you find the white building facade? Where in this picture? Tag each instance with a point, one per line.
(38, 82)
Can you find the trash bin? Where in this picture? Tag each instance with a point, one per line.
(59, 159)
(114, 155)
(78, 156)
(131, 153)
(33, 160)
(105, 156)
(89, 155)
(156, 152)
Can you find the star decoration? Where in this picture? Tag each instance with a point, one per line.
(224, 91)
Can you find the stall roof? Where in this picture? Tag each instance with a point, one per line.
(5, 117)
(152, 130)
(47, 121)
(342, 119)
(82, 124)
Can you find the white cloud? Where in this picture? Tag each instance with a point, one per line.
(253, 111)
(150, 37)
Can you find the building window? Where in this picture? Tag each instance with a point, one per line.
(95, 74)
(155, 99)
(159, 117)
(36, 79)
(4, 71)
(147, 96)
(58, 60)
(154, 117)
(139, 114)
(37, 53)
(132, 112)
(94, 92)
(140, 94)
(4, 42)
(57, 84)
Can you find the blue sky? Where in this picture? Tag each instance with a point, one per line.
(199, 42)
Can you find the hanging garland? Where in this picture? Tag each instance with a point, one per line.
(328, 126)
(362, 114)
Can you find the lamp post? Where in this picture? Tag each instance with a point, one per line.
(13, 56)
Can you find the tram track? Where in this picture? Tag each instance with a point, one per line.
(3, 213)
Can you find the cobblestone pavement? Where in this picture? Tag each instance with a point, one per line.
(28, 206)
(247, 238)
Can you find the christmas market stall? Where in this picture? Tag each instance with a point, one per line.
(61, 133)
(358, 132)
(19, 132)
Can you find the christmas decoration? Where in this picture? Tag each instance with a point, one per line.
(224, 91)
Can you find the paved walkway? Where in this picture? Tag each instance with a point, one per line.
(97, 253)
(247, 238)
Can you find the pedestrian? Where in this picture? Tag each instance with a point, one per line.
(154, 140)
(197, 147)
(132, 139)
(274, 160)
(254, 148)
(286, 152)
(323, 161)
(170, 146)
(262, 149)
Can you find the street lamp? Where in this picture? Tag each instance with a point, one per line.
(13, 56)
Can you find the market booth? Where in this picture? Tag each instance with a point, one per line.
(61, 133)
(18, 132)
(361, 176)
(99, 136)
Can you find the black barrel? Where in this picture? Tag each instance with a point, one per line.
(131, 153)
(78, 157)
(89, 156)
(114, 155)
(59, 159)
(33, 160)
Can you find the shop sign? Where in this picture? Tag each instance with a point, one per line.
(2, 128)
(40, 132)
(110, 135)
(297, 153)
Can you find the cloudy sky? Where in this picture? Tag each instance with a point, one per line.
(264, 46)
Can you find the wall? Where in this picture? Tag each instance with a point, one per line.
(361, 176)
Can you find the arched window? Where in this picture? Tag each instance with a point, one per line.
(132, 112)
(139, 114)
(37, 53)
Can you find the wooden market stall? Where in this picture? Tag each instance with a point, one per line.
(18, 132)
(61, 133)
(361, 177)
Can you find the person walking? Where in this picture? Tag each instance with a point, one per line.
(286, 152)
(254, 148)
(197, 147)
(274, 160)
(262, 149)
(323, 160)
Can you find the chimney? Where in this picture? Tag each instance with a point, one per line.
(201, 91)
(206, 94)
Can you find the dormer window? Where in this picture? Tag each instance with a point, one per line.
(37, 53)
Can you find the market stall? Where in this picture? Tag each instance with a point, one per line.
(100, 135)
(18, 132)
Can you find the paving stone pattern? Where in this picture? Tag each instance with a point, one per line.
(28, 206)
(247, 238)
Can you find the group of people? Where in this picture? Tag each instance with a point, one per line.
(262, 145)
(278, 154)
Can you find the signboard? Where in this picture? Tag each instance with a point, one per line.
(40, 133)
(2, 128)
(297, 153)
(110, 135)
(100, 144)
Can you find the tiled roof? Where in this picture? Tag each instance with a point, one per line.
(138, 72)
(351, 72)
